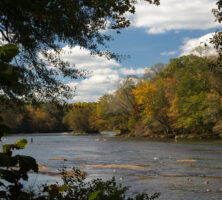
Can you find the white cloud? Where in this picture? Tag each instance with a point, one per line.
(105, 76)
(132, 71)
(91, 88)
(104, 71)
(175, 15)
(168, 53)
(102, 79)
(84, 60)
(190, 43)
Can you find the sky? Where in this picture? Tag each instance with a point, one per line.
(156, 34)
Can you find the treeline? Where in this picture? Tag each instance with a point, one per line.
(181, 98)
(40, 118)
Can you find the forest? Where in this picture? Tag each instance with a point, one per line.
(183, 98)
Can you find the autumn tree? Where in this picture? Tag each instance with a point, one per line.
(153, 71)
(196, 98)
(41, 117)
(118, 109)
(217, 38)
(104, 113)
(80, 118)
(198, 104)
(33, 33)
(154, 106)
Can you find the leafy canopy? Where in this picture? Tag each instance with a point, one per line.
(11, 77)
(43, 27)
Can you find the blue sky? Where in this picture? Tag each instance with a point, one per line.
(145, 49)
(157, 34)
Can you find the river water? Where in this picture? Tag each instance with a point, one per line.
(183, 170)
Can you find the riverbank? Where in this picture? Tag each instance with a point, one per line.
(174, 136)
(131, 135)
(153, 136)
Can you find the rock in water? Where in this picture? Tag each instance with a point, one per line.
(206, 182)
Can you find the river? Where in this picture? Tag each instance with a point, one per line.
(183, 170)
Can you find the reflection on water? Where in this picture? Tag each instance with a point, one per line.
(180, 171)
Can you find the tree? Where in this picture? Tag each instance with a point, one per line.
(11, 77)
(154, 71)
(117, 110)
(202, 51)
(217, 38)
(104, 113)
(198, 104)
(193, 93)
(145, 95)
(81, 118)
(154, 106)
(41, 28)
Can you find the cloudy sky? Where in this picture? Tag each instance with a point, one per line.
(157, 34)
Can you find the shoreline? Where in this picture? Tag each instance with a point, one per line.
(174, 137)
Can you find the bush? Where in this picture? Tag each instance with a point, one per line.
(13, 169)
(75, 187)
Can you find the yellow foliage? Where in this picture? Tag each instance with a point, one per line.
(145, 94)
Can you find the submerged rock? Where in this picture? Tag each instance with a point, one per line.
(187, 160)
(206, 182)
(189, 180)
(43, 168)
(208, 190)
(116, 166)
(58, 158)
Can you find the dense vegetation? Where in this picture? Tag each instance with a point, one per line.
(183, 97)
(43, 117)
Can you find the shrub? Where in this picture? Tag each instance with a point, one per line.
(75, 187)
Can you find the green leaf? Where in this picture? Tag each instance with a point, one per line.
(26, 163)
(8, 52)
(9, 176)
(20, 144)
(94, 195)
(4, 160)
(63, 188)
(6, 148)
